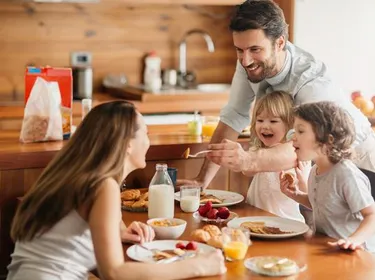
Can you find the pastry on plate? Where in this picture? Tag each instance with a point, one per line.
(216, 241)
(144, 196)
(276, 266)
(261, 228)
(209, 197)
(127, 203)
(212, 230)
(200, 235)
(135, 200)
(132, 194)
(139, 203)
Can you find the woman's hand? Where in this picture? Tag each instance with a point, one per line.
(209, 264)
(137, 232)
(346, 244)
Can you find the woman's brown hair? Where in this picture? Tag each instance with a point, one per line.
(332, 127)
(95, 152)
(278, 104)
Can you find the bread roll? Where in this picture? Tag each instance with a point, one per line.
(212, 230)
(200, 235)
(216, 241)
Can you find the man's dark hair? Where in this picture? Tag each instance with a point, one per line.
(260, 14)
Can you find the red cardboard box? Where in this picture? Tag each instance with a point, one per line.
(63, 76)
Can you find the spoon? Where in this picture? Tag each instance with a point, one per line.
(187, 154)
(154, 251)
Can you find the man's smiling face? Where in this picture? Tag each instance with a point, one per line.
(257, 54)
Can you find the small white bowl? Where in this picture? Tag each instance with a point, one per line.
(168, 232)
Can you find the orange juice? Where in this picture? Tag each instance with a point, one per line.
(208, 129)
(235, 250)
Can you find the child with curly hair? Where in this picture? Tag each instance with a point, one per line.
(338, 192)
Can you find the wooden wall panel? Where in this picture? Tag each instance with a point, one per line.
(118, 35)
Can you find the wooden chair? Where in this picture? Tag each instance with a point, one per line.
(371, 177)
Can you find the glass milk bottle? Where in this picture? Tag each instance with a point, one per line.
(161, 194)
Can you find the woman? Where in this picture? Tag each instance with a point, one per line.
(70, 221)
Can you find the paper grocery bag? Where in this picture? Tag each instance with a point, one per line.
(42, 117)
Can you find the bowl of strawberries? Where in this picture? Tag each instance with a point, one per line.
(209, 214)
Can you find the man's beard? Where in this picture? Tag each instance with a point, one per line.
(268, 67)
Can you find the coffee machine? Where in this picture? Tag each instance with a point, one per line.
(82, 74)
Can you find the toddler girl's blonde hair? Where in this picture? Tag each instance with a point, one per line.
(277, 104)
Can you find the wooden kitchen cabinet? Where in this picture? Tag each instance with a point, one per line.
(192, 2)
(286, 5)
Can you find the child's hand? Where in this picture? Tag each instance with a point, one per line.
(302, 172)
(346, 244)
(287, 188)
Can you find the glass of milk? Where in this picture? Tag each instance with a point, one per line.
(190, 198)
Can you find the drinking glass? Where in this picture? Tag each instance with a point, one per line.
(190, 198)
(209, 124)
(86, 106)
(235, 243)
(172, 172)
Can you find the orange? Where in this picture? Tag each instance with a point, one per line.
(366, 106)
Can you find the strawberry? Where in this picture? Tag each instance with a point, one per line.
(223, 213)
(181, 246)
(191, 246)
(204, 209)
(212, 214)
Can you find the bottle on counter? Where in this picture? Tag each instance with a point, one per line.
(152, 74)
(195, 125)
(161, 194)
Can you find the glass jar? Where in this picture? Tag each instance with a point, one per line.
(161, 194)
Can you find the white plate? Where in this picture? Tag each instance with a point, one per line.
(251, 264)
(296, 227)
(137, 253)
(219, 221)
(229, 198)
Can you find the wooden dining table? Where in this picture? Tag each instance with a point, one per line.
(323, 262)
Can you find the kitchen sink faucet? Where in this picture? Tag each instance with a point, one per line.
(207, 38)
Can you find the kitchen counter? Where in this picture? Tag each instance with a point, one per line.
(167, 142)
(149, 103)
(11, 112)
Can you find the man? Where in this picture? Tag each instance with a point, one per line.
(267, 62)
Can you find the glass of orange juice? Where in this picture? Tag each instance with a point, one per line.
(235, 243)
(209, 124)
